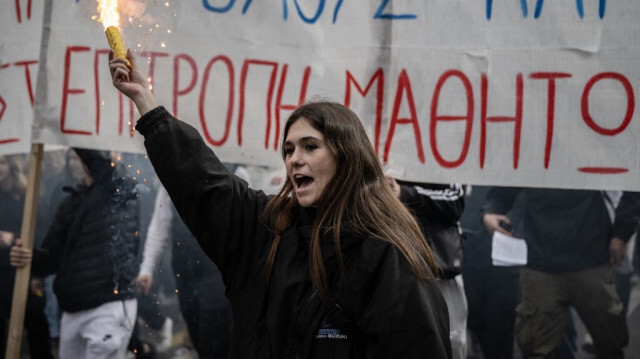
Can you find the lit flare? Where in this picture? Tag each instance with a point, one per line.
(110, 18)
(116, 44)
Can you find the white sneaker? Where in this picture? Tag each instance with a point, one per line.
(166, 335)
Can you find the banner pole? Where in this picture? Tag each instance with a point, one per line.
(21, 285)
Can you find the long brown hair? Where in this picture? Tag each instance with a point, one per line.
(357, 198)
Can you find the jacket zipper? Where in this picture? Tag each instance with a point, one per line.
(299, 323)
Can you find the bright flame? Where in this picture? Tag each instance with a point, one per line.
(108, 10)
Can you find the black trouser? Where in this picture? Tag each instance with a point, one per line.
(206, 311)
(492, 296)
(35, 322)
(149, 311)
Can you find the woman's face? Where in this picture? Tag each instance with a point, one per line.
(4, 169)
(310, 165)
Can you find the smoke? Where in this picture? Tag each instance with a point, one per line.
(134, 9)
(146, 24)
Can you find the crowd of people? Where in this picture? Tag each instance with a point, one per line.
(341, 260)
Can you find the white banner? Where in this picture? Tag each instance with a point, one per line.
(516, 93)
(20, 26)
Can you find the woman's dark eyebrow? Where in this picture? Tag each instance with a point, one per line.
(309, 138)
(303, 139)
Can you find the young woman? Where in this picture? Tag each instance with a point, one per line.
(332, 266)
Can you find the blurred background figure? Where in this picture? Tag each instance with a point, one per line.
(200, 288)
(12, 192)
(572, 246)
(438, 208)
(492, 291)
(92, 246)
(60, 169)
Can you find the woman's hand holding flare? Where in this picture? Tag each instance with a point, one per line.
(131, 83)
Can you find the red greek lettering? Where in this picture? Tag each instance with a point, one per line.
(177, 92)
(435, 118)
(517, 119)
(378, 77)
(272, 81)
(290, 107)
(66, 90)
(227, 62)
(404, 84)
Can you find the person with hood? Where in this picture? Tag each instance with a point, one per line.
(91, 246)
(52, 192)
(333, 265)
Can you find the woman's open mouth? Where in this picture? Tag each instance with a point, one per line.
(302, 181)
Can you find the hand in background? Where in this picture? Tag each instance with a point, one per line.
(492, 223)
(617, 251)
(144, 283)
(6, 238)
(37, 286)
(19, 256)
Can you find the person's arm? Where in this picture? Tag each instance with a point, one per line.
(625, 225)
(46, 260)
(219, 209)
(497, 203)
(157, 239)
(442, 203)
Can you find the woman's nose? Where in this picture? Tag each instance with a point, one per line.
(296, 158)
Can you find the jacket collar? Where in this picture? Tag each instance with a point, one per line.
(304, 225)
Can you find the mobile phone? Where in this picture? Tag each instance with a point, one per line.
(506, 226)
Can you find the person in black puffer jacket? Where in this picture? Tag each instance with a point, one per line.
(92, 246)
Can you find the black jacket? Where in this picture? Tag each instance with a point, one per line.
(11, 209)
(383, 311)
(567, 230)
(93, 240)
(438, 208)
